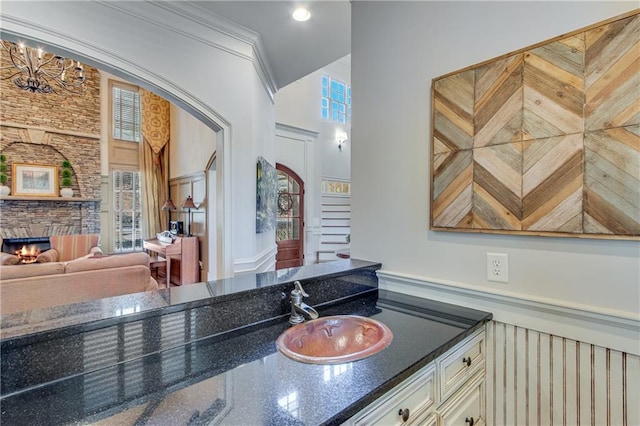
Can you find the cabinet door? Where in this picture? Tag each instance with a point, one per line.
(460, 364)
(416, 394)
(466, 407)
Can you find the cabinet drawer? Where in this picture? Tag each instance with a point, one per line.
(463, 361)
(467, 407)
(416, 394)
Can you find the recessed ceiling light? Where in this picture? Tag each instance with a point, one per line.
(301, 14)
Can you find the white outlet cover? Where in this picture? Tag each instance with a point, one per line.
(498, 267)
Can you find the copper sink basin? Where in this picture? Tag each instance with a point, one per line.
(334, 339)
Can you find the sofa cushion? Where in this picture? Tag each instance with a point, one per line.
(31, 293)
(72, 246)
(107, 262)
(50, 255)
(8, 259)
(31, 270)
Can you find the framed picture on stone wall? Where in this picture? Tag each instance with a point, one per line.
(37, 180)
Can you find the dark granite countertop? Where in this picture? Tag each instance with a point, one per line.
(158, 370)
(134, 306)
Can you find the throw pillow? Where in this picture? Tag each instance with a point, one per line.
(9, 259)
(50, 255)
(96, 252)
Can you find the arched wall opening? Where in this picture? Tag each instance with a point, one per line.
(203, 112)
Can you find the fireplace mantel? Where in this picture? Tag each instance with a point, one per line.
(67, 199)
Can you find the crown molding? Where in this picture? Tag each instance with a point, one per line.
(251, 48)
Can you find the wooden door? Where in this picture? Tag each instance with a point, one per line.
(290, 231)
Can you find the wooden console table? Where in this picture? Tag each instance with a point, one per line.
(184, 250)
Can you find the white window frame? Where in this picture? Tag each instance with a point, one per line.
(336, 107)
(135, 229)
(137, 130)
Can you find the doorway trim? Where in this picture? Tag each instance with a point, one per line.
(301, 213)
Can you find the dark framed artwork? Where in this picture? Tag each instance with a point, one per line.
(266, 196)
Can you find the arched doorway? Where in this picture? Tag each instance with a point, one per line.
(88, 55)
(290, 230)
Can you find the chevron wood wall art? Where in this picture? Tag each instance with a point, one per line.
(452, 189)
(544, 140)
(554, 88)
(453, 112)
(612, 181)
(552, 184)
(612, 75)
(498, 102)
(497, 189)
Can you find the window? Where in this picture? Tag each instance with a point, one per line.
(336, 100)
(127, 211)
(125, 113)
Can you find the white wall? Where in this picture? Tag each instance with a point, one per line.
(192, 144)
(397, 49)
(211, 73)
(299, 105)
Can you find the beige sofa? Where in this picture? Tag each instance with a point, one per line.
(42, 285)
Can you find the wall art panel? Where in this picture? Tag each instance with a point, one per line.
(543, 141)
(497, 188)
(452, 189)
(612, 181)
(554, 88)
(453, 112)
(552, 184)
(612, 75)
(498, 102)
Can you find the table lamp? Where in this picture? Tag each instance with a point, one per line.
(188, 204)
(168, 206)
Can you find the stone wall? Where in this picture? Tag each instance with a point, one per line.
(63, 111)
(47, 129)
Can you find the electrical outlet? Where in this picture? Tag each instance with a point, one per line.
(498, 267)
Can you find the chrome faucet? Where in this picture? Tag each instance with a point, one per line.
(300, 311)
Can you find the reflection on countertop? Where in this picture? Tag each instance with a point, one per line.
(136, 305)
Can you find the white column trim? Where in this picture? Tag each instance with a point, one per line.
(262, 262)
(603, 327)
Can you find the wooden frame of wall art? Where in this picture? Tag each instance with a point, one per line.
(37, 180)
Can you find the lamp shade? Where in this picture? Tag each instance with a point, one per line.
(188, 203)
(168, 205)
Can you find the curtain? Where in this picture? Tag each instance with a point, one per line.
(154, 156)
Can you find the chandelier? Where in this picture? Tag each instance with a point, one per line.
(38, 70)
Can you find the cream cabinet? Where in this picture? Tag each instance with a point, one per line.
(411, 402)
(447, 392)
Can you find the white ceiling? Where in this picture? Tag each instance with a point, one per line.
(294, 49)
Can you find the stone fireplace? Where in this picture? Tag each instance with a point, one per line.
(48, 129)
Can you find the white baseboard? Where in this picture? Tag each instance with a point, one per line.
(610, 329)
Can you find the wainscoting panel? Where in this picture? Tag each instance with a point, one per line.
(536, 378)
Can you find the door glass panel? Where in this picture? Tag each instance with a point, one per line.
(283, 232)
(295, 233)
(290, 229)
(295, 210)
(282, 182)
